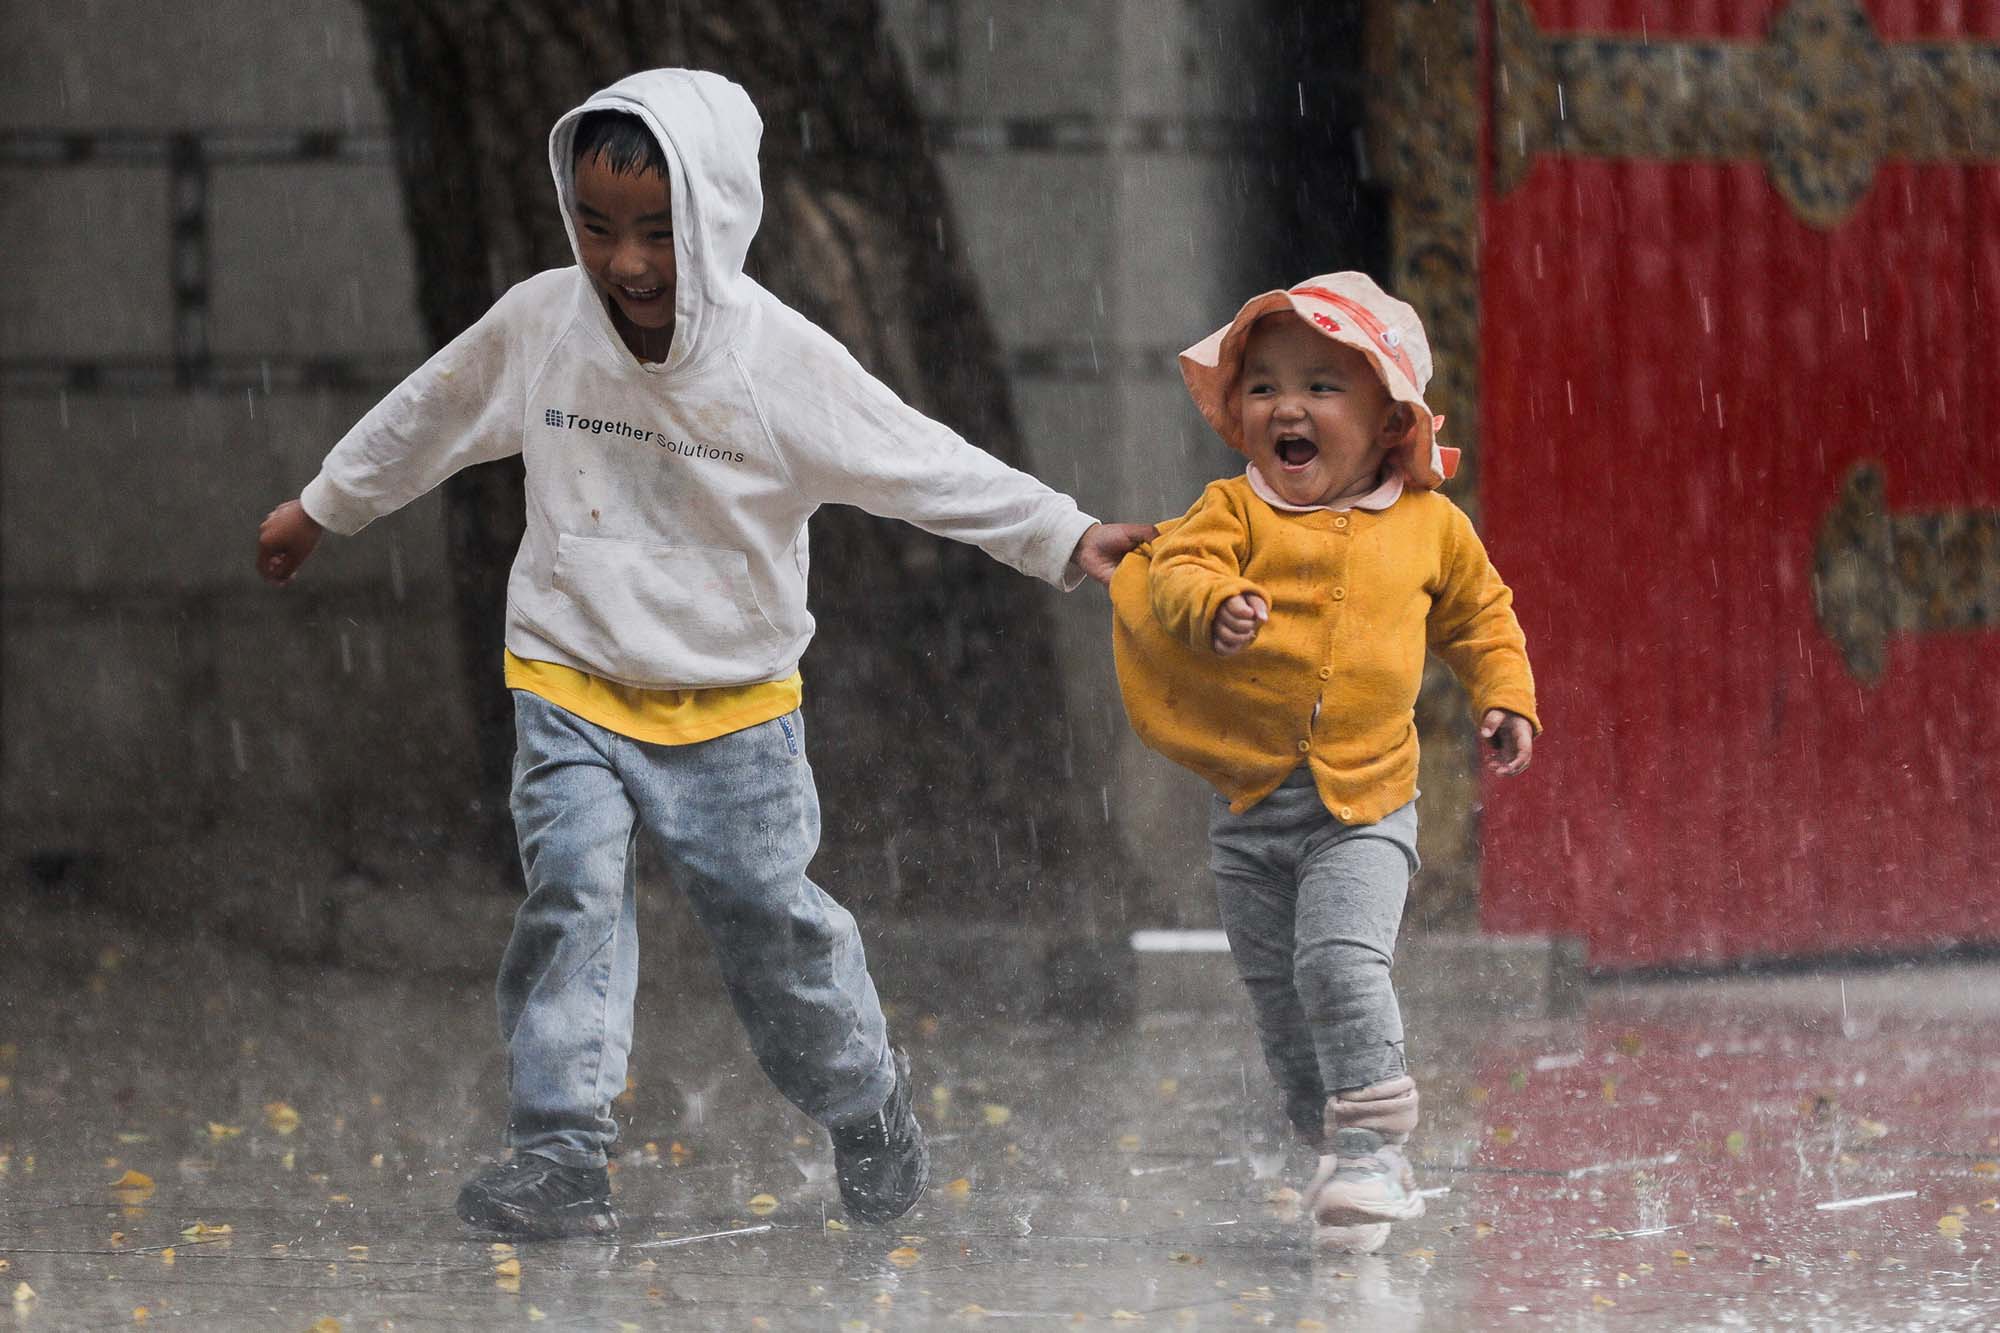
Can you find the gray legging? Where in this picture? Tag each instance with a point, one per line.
(1311, 907)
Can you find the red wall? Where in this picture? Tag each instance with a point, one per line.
(1678, 373)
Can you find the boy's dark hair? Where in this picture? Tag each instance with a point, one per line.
(623, 141)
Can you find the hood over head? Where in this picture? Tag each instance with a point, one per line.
(1348, 308)
(709, 132)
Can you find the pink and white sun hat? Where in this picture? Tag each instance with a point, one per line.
(1348, 308)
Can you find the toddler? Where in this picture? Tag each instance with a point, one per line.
(1273, 640)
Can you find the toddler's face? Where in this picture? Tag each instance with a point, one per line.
(1317, 420)
(625, 234)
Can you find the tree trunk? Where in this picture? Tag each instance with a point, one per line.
(938, 731)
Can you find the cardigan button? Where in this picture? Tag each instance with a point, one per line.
(1346, 813)
(1341, 521)
(1305, 746)
(1340, 594)
(1326, 673)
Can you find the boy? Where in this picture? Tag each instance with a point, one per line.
(1273, 641)
(679, 425)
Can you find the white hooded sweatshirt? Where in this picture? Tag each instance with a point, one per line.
(667, 503)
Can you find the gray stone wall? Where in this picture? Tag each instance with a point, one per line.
(207, 280)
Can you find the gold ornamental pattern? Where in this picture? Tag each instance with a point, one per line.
(1821, 101)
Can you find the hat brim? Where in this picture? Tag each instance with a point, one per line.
(1213, 370)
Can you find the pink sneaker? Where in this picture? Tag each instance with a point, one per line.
(1364, 1182)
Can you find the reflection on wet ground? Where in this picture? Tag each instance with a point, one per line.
(198, 1138)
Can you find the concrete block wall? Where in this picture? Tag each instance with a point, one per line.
(207, 280)
(1096, 152)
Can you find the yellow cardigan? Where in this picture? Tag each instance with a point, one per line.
(1355, 598)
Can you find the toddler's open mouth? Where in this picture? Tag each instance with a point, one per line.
(1295, 452)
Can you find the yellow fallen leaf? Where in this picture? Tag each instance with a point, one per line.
(1735, 1143)
(1986, 1168)
(23, 1293)
(167, 1256)
(678, 1155)
(1610, 1090)
(219, 1131)
(280, 1117)
(1128, 1143)
(1683, 1257)
(140, 1314)
(905, 1255)
(1629, 1044)
(959, 1189)
(132, 1136)
(763, 1205)
(136, 1182)
(1626, 1279)
(835, 1224)
(1169, 1086)
(1872, 1129)
(1960, 1209)
(1989, 1204)
(376, 1161)
(507, 1268)
(1503, 1134)
(1125, 1317)
(1483, 1229)
(535, 1316)
(358, 1251)
(1951, 1224)
(1602, 1302)
(1477, 1096)
(205, 1230)
(1190, 1259)
(1424, 1252)
(996, 1115)
(340, 1198)
(970, 1312)
(326, 1324)
(289, 1161)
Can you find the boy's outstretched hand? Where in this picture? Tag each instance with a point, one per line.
(1103, 545)
(287, 537)
(1509, 742)
(1237, 622)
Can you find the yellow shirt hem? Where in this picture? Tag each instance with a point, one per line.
(658, 717)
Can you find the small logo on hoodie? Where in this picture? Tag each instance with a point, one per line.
(557, 419)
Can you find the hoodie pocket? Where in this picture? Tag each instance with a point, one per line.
(665, 615)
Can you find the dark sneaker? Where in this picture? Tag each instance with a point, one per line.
(534, 1198)
(883, 1163)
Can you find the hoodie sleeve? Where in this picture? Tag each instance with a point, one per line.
(462, 406)
(846, 438)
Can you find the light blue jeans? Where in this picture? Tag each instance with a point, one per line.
(736, 820)
(1311, 907)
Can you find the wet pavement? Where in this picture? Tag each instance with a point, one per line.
(1805, 1151)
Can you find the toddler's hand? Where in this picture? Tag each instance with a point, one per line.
(1509, 741)
(287, 537)
(1237, 622)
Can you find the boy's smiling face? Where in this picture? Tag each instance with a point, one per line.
(1317, 420)
(625, 238)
